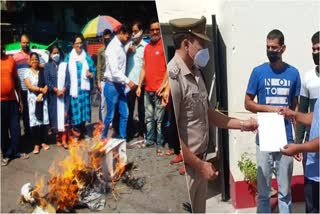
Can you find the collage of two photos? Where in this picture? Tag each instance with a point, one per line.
(160, 106)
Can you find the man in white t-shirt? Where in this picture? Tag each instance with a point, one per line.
(310, 89)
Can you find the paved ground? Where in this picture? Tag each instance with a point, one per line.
(164, 191)
(216, 205)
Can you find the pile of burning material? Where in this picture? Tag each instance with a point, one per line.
(76, 183)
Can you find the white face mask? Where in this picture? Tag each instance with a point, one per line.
(202, 57)
(56, 57)
(137, 36)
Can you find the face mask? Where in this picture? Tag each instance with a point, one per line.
(106, 42)
(316, 58)
(273, 56)
(56, 57)
(26, 48)
(202, 57)
(137, 36)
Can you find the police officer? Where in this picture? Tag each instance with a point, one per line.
(190, 100)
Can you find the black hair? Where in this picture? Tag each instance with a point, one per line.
(107, 32)
(125, 28)
(179, 37)
(78, 35)
(139, 24)
(276, 34)
(36, 54)
(53, 47)
(60, 52)
(153, 20)
(315, 38)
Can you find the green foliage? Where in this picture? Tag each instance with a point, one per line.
(248, 168)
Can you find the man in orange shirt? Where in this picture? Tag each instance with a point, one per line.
(10, 107)
(153, 73)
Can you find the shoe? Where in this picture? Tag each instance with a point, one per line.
(45, 146)
(5, 161)
(36, 150)
(176, 159)
(182, 170)
(22, 155)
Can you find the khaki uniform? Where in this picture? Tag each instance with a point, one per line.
(190, 100)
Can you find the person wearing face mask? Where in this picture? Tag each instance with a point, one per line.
(101, 67)
(276, 84)
(133, 69)
(153, 75)
(191, 106)
(58, 95)
(310, 91)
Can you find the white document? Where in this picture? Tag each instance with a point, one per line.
(272, 131)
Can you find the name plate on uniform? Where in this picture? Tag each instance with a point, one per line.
(272, 131)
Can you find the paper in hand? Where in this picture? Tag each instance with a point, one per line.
(272, 131)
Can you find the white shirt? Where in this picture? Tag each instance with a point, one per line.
(116, 60)
(310, 86)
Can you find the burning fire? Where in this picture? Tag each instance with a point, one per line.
(77, 171)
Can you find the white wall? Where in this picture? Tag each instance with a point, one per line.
(244, 25)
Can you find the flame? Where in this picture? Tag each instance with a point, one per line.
(119, 169)
(70, 175)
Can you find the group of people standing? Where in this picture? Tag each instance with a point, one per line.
(53, 95)
(56, 96)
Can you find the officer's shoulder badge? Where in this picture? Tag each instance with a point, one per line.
(174, 70)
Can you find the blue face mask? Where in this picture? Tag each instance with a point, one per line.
(56, 57)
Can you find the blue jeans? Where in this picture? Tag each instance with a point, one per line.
(282, 165)
(114, 94)
(153, 118)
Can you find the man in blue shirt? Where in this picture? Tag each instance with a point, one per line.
(311, 173)
(133, 70)
(276, 84)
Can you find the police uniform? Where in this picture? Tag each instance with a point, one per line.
(190, 100)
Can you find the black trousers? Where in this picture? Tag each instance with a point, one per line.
(311, 193)
(170, 131)
(25, 112)
(39, 134)
(132, 126)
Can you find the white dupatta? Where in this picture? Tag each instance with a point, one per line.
(61, 77)
(85, 82)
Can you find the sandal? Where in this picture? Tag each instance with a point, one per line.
(45, 146)
(23, 156)
(36, 150)
(65, 145)
(160, 152)
(169, 152)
